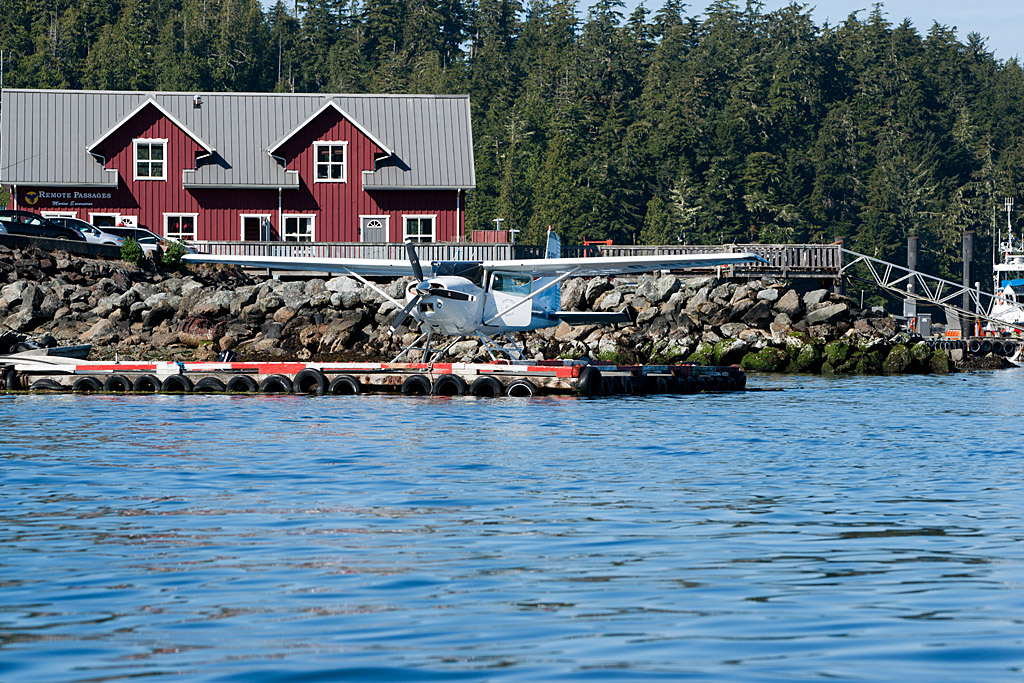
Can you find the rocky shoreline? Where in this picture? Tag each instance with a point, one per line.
(141, 312)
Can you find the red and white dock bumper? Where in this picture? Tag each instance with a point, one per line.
(34, 372)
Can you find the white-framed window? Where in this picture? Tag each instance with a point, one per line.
(59, 214)
(299, 228)
(255, 227)
(150, 159)
(104, 220)
(180, 226)
(330, 158)
(418, 228)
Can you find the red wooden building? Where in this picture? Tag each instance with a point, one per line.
(243, 166)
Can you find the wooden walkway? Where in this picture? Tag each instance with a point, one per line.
(790, 261)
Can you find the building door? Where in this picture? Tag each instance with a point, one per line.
(373, 229)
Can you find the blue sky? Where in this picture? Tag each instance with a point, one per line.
(1000, 21)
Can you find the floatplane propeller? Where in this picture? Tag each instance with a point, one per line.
(485, 299)
(422, 288)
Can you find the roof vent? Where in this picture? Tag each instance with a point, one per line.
(197, 101)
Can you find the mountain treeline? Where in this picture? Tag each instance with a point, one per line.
(655, 127)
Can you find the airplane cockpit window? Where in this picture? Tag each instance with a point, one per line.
(511, 284)
(471, 270)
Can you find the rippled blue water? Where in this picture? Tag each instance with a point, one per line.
(854, 529)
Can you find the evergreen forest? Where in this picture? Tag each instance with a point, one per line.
(652, 126)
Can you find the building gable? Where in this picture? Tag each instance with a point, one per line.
(318, 114)
(96, 144)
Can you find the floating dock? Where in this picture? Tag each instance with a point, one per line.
(37, 372)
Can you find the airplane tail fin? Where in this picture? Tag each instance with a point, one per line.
(549, 301)
(554, 249)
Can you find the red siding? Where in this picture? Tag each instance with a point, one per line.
(337, 206)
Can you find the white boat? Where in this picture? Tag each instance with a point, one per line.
(1008, 283)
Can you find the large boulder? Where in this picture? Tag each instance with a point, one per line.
(828, 314)
(837, 352)
(789, 303)
(596, 287)
(768, 359)
(573, 292)
(729, 351)
(665, 286)
(898, 361)
(214, 304)
(808, 360)
(609, 301)
(759, 315)
(815, 297)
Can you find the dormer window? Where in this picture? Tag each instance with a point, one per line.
(150, 159)
(330, 162)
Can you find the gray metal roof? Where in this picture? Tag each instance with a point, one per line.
(48, 134)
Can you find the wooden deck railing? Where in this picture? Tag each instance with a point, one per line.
(427, 251)
(784, 260)
(823, 261)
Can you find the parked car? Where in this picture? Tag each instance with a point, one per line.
(146, 239)
(32, 224)
(92, 234)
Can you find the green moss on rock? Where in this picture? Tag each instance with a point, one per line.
(837, 352)
(703, 355)
(808, 360)
(939, 363)
(870, 363)
(729, 351)
(768, 359)
(898, 361)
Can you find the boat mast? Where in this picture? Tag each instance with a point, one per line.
(1009, 228)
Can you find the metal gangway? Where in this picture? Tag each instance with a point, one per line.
(922, 288)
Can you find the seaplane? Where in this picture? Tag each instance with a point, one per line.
(487, 300)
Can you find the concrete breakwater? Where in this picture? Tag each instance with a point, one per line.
(141, 312)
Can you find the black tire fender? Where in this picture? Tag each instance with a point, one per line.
(242, 384)
(416, 385)
(449, 385)
(276, 384)
(310, 381)
(12, 380)
(177, 384)
(521, 388)
(655, 385)
(591, 383)
(86, 385)
(487, 386)
(46, 384)
(209, 385)
(345, 385)
(117, 384)
(146, 384)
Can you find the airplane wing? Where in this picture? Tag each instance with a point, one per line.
(618, 265)
(360, 266)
